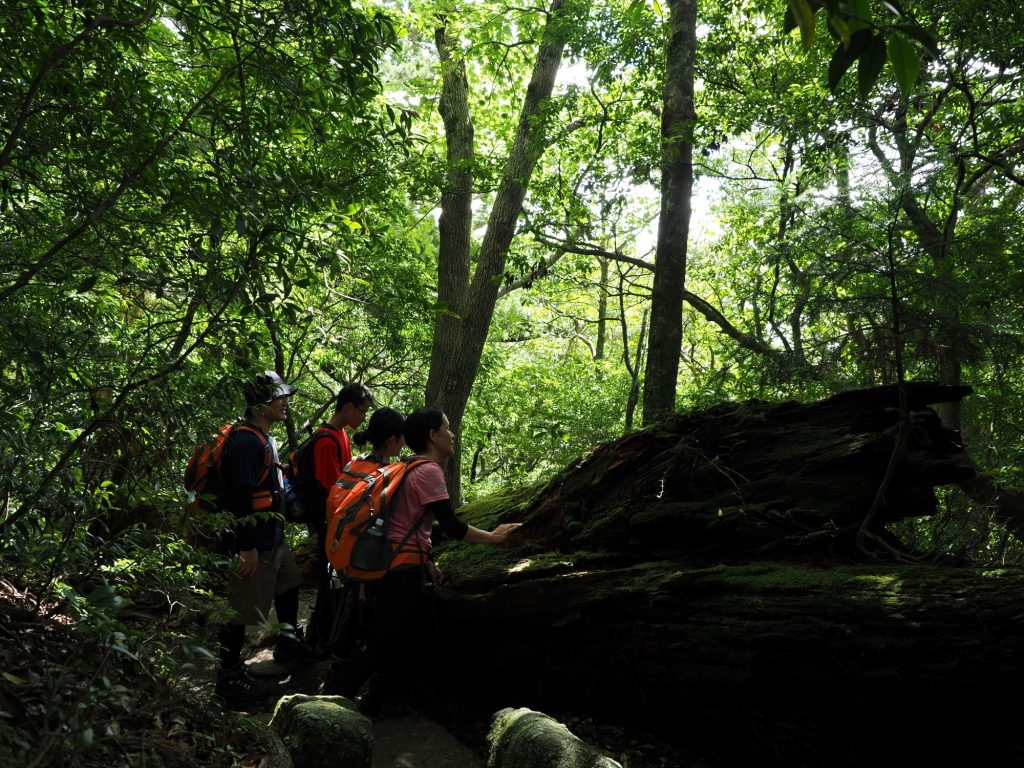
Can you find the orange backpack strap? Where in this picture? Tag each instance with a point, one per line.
(401, 552)
(268, 456)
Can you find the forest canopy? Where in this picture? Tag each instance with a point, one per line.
(558, 222)
(192, 192)
(468, 205)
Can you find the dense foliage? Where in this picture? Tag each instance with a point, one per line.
(194, 191)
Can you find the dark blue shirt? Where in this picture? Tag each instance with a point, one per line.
(243, 468)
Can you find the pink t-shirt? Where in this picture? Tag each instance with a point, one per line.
(420, 486)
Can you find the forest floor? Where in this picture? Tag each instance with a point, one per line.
(450, 736)
(68, 697)
(409, 741)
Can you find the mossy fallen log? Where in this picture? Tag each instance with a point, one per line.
(700, 578)
(738, 659)
(522, 738)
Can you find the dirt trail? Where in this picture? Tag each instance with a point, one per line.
(402, 742)
(416, 742)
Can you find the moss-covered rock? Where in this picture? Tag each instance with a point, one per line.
(324, 732)
(522, 738)
(252, 736)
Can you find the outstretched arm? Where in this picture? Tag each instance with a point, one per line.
(456, 529)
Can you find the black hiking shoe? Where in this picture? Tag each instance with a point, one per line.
(239, 688)
(329, 686)
(289, 649)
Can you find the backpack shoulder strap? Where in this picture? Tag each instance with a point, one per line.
(247, 427)
(268, 458)
(411, 462)
(320, 433)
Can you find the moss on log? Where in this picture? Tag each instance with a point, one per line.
(700, 578)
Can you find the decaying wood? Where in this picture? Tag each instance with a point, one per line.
(699, 578)
(739, 478)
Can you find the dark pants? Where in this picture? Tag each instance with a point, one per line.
(393, 642)
(231, 637)
(322, 616)
(350, 613)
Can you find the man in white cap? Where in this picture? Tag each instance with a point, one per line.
(265, 573)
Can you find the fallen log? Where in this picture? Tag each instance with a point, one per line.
(700, 577)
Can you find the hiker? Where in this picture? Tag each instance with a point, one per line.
(399, 610)
(331, 453)
(265, 572)
(386, 439)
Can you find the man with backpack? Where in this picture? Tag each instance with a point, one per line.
(317, 465)
(265, 574)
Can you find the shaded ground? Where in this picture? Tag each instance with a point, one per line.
(404, 742)
(416, 742)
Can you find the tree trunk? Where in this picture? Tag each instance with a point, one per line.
(464, 316)
(602, 311)
(677, 124)
(767, 664)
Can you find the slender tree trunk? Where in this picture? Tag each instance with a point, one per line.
(936, 240)
(634, 371)
(602, 311)
(677, 122)
(464, 316)
(456, 221)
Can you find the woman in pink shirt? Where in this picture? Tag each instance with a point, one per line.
(399, 609)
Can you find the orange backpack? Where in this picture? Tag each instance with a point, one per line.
(202, 473)
(357, 520)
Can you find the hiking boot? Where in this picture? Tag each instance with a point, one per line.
(236, 686)
(329, 686)
(370, 703)
(289, 649)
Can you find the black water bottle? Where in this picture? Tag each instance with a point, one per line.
(293, 510)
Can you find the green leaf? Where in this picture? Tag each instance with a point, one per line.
(869, 67)
(124, 651)
(859, 15)
(905, 63)
(635, 11)
(14, 679)
(104, 596)
(842, 29)
(923, 36)
(804, 16)
(841, 61)
(844, 57)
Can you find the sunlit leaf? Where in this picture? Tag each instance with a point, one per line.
(922, 36)
(905, 63)
(804, 17)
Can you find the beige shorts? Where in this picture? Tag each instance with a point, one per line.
(252, 597)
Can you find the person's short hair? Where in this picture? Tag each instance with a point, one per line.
(419, 426)
(384, 423)
(354, 393)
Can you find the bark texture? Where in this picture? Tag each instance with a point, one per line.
(677, 124)
(468, 304)
(700, 578)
